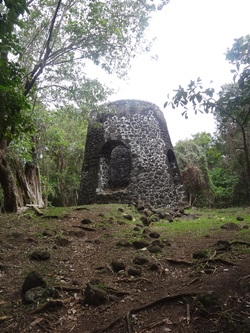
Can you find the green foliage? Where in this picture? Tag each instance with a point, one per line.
(209, 176)
(59, 39)
(223, 185)
(193, 164)
(12, 100)
(231, 109)
(60, 148)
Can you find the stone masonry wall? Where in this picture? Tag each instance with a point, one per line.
(129, 156)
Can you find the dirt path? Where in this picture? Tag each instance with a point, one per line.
(159, 287)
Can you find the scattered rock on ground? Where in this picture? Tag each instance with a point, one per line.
(145, 220)
(40, 255)
(86, 221)
(161, 213)
(140, 260)
(134, 271)
(77, 233)
(154, 234)
(169, 218)
(230, 226)
(123, 243)
(118, 265)
(94, 295)
(222, 245)
(140, 205)
(33, 280)
(3, 268)
(148, 212)
(146, 231)
(128, 217)
(61, 241)
(153, 267)
(239, 218)
(40, 294)
(140, 244)
(166, 241)
(201, 254)
(154, 249)
(157, 242)
(47, 233)
(154, 218)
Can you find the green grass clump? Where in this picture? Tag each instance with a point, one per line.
(207, 222)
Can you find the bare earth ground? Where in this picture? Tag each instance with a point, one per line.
(173, 293)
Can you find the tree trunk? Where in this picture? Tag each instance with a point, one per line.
(245, 147)
(32, 175)
(7, 182)
(29, 184)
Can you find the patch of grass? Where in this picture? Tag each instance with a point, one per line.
(208, 221)
(59, 212)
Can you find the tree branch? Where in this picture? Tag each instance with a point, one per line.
(38, 69)
(48, 50)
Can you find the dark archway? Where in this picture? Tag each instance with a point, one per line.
(173, 166)
(118, 159)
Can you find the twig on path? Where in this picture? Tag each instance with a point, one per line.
(3, 318)
(110, 268)
(135, 280)
(84, 228)
(213, 255)
(159, 323)
(180, 262)
(188, 314)
(162, 269)
(193, 281)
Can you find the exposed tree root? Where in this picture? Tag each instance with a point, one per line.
(222, 261)
(146, 306)
(240, 243)
(243, 278)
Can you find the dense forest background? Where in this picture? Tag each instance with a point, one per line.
(45, 96)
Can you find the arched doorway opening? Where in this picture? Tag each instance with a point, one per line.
(115, 165)
(173, 166)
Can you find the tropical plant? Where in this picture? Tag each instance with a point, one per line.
(231, 107)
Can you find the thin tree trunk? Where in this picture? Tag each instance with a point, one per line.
(245, 147)
(7, 182)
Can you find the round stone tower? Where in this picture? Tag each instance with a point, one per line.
(129, 157)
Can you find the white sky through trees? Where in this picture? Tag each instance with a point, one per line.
(192, 38)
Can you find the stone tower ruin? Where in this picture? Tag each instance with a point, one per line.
(129, 157)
